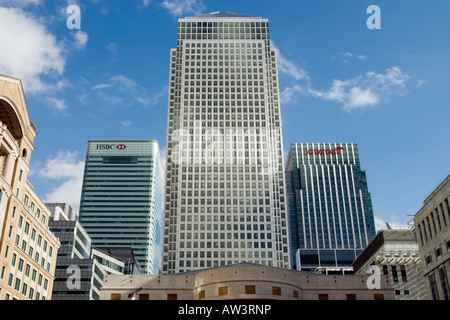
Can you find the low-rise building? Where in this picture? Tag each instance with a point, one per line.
(244, 281)
(80, 268)
(396, 253)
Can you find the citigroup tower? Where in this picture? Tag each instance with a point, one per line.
(330, 207)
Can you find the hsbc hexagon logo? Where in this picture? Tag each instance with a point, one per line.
(111, 146)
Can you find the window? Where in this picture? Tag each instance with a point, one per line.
(144, 296)
(323, 296)
(394, 273)
(201, 294)
(27, 227)
(433, 287)
(115, 296)
(172, 296)
(444, 282)
(223, 291)
(250, 290)
(295, 294)
(403, 273)
(31, 294)
(24, 289)
(378, 296)
(351, 296)
(17, 284)
(276, 291)
(20, 265)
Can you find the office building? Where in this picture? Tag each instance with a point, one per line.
(395, 253)
(330, 207)
(244, 281)
(224, 191)
(121, 200)
(79, 267)
(129, 263)
(28, 249)
(432, 227)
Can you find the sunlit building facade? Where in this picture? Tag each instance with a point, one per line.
(28, 249)
(224, 190)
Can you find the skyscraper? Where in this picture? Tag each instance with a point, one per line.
(122, 195)
(225, 194)
(330, 207)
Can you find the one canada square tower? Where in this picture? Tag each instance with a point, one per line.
(225, 199)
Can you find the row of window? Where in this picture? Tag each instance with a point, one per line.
(248, 290)
(434, 222)
(215, 24)
(32, 207)
(440, 280)
(437, 253)
(26, 288)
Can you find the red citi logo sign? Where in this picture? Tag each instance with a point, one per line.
(336, 150)
(111, 146)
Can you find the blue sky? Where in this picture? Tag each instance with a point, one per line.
(386, 89)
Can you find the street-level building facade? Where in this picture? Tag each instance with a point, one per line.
(330, 207)
(28, 249)
(122, 195)
(244, 281)
(432, 227)
(395, 254)
(224, 189)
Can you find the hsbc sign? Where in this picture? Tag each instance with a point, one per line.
(107, 146)
(337, 150)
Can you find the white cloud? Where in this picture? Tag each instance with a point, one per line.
(381, 224)
(65, 168)
(126, 123)
(120, 90)
(287, 95)
(183, 7)
(345, 57)
(81, 39)
(365, 91)
(145, 3)
(286, 66)
(57, 104)
(420, 83)
(29, 51)
(112, 49)
(101, 86)
(21, 3)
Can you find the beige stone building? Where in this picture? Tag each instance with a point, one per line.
(432, 227)
(28, 249)
(396, 253)
(243, 281)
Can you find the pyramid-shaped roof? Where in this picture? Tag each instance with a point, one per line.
(222, 14)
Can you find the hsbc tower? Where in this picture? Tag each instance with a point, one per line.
(122, 198)
(330, 207)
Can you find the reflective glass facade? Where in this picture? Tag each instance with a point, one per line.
(121, 200)
(330, 207)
